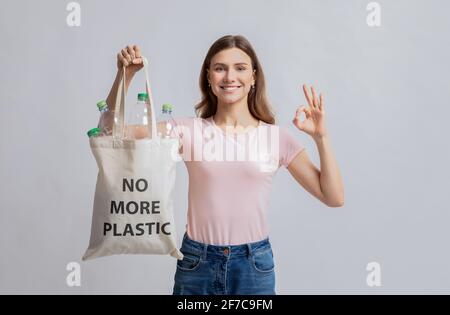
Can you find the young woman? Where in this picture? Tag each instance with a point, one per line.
(226, 245)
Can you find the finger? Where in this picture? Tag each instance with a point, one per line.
(303, 109)
(297, 121)
(137, 51)
(315, 100)
(299, 111)
(137, 55)
(321, 102)
(131, 52)
(126, 55)
(308, 97)
(122, 59)
(138, 61)
(308, 112)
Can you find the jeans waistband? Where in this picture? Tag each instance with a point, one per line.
(248, 249)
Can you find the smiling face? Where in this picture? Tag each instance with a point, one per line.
(231, 75)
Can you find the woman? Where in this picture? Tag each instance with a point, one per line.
(226, 245)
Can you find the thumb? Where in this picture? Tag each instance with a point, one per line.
(296, 121)
(137, 61)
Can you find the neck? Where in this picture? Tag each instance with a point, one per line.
(236, 114)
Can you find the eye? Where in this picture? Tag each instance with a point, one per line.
(218, 68)
(241, 69)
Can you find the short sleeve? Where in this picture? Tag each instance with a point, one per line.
(183, 130)
(289, 146)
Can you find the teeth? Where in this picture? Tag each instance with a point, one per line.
(230, 88)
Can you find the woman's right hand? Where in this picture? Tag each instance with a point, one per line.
(131, 58)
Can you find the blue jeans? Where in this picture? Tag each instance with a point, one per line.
(230, 270)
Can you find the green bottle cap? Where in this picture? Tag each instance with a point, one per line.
(142, 96)
(93, 132)
(101, 105)
(167, 107)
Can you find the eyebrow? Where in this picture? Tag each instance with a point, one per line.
(222, 64)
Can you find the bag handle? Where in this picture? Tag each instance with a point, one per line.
(119, 113)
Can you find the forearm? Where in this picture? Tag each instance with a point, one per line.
(111, 99)
(330, 177)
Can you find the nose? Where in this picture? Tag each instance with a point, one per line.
(230, 76)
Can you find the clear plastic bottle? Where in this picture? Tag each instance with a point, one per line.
(166, 130)
(165, 122)
(106, 120)
(137, 124)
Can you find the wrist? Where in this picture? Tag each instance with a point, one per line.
(320, 139)
(129, 73)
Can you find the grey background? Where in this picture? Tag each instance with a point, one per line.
(386, 91)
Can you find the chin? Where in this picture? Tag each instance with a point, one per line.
(230, 102)
(233, 100)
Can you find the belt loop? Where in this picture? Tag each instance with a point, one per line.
(205, 251)
(250, 250)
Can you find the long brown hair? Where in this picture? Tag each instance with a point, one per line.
(258, 103)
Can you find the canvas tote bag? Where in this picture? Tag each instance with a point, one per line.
(133, 205)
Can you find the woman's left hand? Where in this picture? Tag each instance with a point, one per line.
(314, 123)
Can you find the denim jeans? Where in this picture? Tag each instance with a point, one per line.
(229, 270)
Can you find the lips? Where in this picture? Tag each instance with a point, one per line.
(230, 87)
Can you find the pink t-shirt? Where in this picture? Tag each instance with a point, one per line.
(230, 177)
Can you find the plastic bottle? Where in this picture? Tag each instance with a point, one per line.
(106, 120)
(137, 124)
(165, 122)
